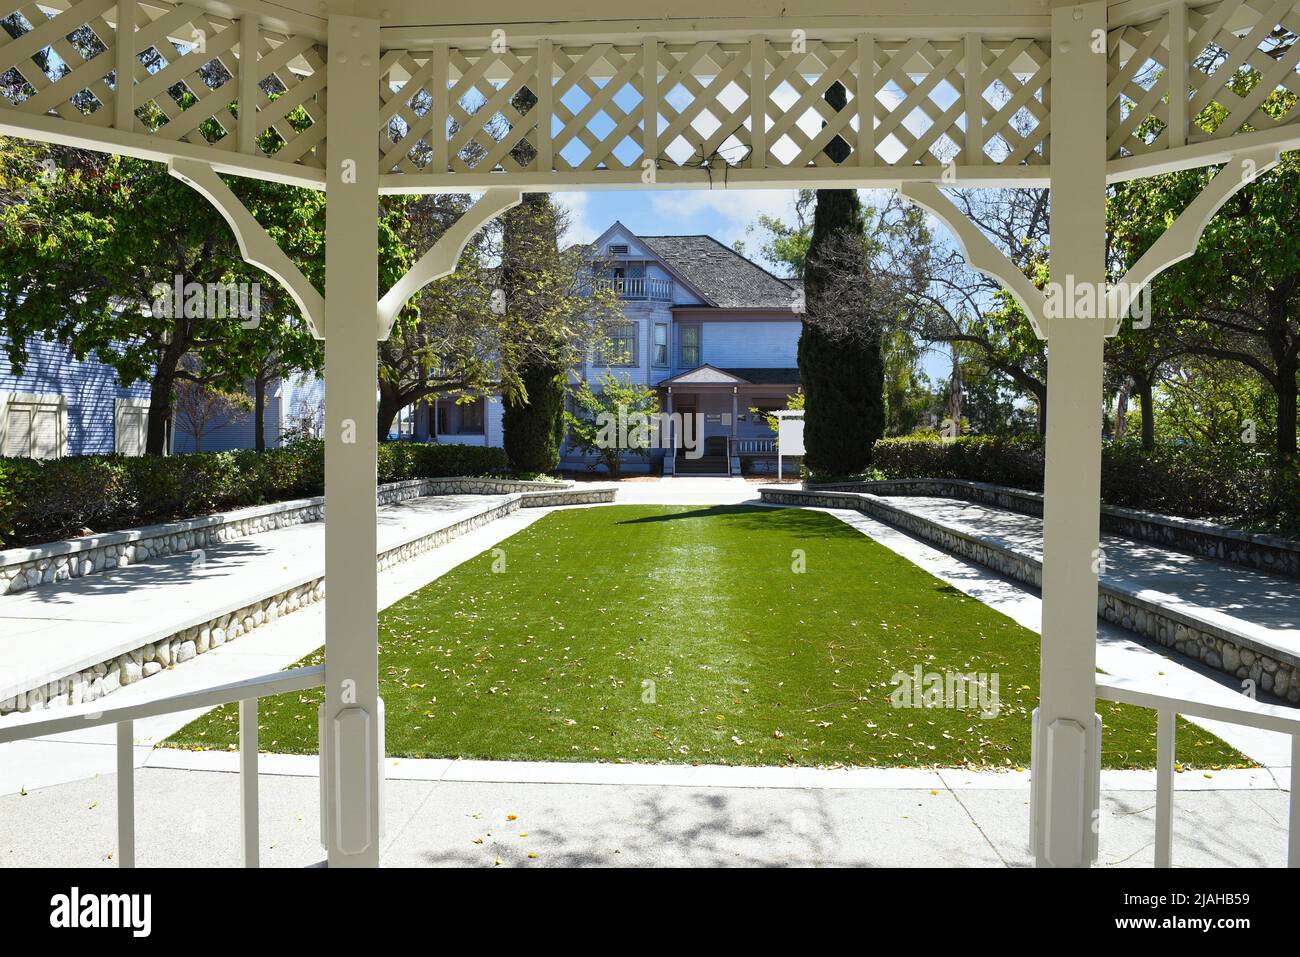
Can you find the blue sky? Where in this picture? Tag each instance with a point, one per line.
(722, 214)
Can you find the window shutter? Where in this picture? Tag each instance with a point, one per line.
(132, 427)
(18, 432)
(45, 433)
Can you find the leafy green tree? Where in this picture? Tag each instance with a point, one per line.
(1197, 402)
(612, 420)
(908, 392)
(1237, 300)
(784, 247)
(960, 307)
(841, 364)
(533, 412)
(89, 250)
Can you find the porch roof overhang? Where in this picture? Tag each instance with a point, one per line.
(710, 376)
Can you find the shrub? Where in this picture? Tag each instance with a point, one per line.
(1232, 484)
(49, 499)
(1016, 461)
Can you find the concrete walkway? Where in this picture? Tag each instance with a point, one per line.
(1188, 581)
(190, 818)
(274, 646)
(49, 632)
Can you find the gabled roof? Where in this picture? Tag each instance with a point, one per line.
(712, 375)
(704, 375)
(726, 278)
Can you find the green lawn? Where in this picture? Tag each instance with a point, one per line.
(750, 661)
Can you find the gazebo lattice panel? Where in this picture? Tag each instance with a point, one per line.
(1178, 76)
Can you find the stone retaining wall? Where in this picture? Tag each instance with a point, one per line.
(573, 496)
(106, 677)
(24, 568)
(147, 660)
(1267, 553)
(1273, 669)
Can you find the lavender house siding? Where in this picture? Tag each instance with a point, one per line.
(90, 387)
(756, 345)
(238, 433)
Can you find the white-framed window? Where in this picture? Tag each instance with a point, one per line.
(131, 426)
(621, 347)
(35, 425)
(660, 357)
(688, 346)
(471, 417)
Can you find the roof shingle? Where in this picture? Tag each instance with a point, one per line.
(727, 278)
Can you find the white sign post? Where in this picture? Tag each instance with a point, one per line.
(789, 435)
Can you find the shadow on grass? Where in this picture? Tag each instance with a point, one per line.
(756, 517)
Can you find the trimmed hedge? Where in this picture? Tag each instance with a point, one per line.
(45, 500)
(1230, 485)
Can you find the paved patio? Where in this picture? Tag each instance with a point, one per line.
(873, 818)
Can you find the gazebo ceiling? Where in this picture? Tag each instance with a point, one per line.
(951, 89)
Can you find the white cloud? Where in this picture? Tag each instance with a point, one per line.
(722, 213)
(581, 227)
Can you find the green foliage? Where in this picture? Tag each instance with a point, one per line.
(533, 410)
(842, 371)
(532, 424)
(411, 460)
(49, 499)
(1016, 461)
(1232, 484)
(785, 247)
(595, 425)
(1237, 299)
(792, 402)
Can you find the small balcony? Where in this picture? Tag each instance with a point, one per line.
(639, 287)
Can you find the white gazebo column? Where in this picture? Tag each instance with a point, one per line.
(1065, 734)
(351, 719)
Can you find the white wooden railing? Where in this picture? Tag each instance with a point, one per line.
(639, 287)
(246, 692)
(755, 446)
(1247, 712)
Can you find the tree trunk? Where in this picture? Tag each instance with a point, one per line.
(390, 403)
(1041, 399)
(160, 408)
(259, 411)
(1286, 411)
(1121, 413)
(1146, 398)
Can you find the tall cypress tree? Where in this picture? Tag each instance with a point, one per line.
(840, 348)
(533, 420)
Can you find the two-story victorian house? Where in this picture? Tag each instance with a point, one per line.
(715, 333)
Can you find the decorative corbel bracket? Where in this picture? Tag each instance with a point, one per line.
(254, 244)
